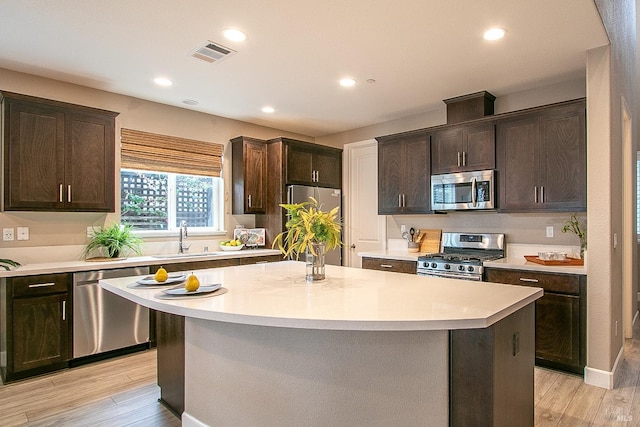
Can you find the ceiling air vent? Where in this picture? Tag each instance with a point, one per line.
(212, 52)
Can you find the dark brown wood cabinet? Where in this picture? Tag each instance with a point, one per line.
(36, 312)
(463, 148)
(249, 175)
(312, 164)
(541, 160)
(403, 175)
(58, 156)
(395, 265)
(560, 316)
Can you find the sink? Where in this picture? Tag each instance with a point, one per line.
(185, 255)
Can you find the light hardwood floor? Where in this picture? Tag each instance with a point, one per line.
(123, 392)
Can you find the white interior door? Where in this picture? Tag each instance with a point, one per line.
(364, 229)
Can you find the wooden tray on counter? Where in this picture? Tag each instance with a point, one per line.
(568, 261)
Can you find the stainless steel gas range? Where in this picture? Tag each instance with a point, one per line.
(462, 255)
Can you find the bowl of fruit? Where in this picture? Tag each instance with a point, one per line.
(231, 245)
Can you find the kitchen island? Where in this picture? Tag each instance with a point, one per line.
(362, 347)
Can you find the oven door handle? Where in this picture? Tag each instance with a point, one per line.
(474, 190)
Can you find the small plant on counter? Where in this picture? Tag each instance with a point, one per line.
(114, 241)
(308, 225)
(7, 264)
(579, 229)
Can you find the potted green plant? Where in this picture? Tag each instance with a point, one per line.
(579, 229)
(113, 241)
(309, 231)
(7, 264)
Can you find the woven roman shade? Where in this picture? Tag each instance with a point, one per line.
(162, 153)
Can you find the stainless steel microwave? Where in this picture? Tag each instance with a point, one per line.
(463, 191)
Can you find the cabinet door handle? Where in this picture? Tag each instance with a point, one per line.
(399, 200)
(249, 201)
(464, 158)
(41, 285)
(317, 176)
(60, 193)
(69, 193)
(542, 194)
(524, 279)
(535, 194)
(261, 262)
(404, 202)
(458, 159)
(386, 266)
(64, 310)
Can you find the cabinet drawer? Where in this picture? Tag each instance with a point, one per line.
(560, 283)
(27, 286)
(396, 265)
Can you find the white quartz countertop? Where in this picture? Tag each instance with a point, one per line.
(512, 262)
(520, 263)
(80, 265)
(392, 254)
(276, 294)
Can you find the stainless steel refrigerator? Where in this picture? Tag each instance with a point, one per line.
(328, 198)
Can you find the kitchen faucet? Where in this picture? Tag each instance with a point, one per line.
(183, 235)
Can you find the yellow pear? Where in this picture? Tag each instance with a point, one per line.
(161, 275)
(192, 284)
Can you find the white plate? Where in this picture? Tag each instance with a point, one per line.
(173, 278)
(231, 248)
(203, 289)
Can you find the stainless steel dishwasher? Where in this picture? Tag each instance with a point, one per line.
(104, 321)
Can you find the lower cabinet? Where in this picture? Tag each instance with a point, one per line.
(36, 325)
(396, 265)
(561, 316)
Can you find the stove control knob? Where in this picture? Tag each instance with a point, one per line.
(470, 269)
(447, 267)
(461, 267)
(434, 265)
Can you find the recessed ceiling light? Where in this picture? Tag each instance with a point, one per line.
(347, 82)
(162, 81)
(234, 35)
(268, 109)
(190, 102)
(494, 34)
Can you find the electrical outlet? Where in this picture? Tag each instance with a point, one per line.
(22, 233)
(550, 231)
(7, 234)
(90, 231)
(403, 228)
(615, 240)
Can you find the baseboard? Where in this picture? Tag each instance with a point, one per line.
(190, 421)
(603, 379)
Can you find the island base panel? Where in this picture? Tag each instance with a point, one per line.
(263, 376)
(492, 373)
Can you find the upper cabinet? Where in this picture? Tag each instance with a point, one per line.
(542, 159)
(249, 175)
(58, 156)
(403, 175)
(312, 164)
(463, 148)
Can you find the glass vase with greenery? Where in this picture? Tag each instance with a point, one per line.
(573, 225)
(114, 241)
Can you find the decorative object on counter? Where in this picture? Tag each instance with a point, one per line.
(565, 262)
(231, 245)
(113, 241)
(250, 237)
(8, 264)
(579, 229)
(311, 231)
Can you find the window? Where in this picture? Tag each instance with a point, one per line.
(157, 189)
(160, 201)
